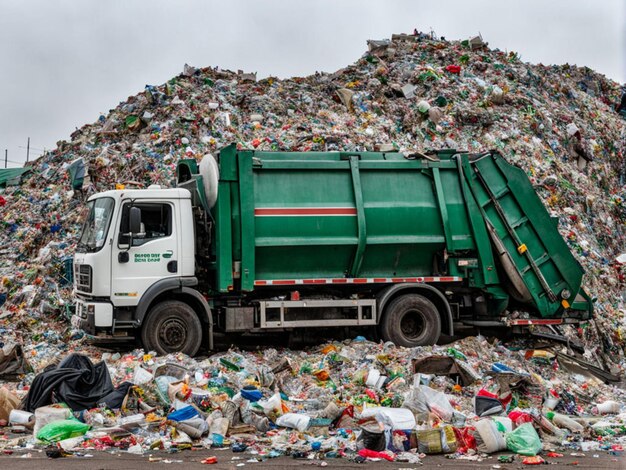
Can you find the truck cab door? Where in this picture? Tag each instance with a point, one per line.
(140, 260)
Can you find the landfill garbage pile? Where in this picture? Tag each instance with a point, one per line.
(355, 399)
(411, 93)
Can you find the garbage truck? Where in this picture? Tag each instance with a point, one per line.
(251, 242)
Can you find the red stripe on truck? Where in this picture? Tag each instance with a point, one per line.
(303, 211)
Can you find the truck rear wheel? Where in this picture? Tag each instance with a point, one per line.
(172, 326)
(411, 320)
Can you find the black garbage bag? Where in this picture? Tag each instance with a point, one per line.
(76, 381)
(373, 437)
(487, 406)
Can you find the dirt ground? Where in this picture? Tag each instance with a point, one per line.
(228, 460)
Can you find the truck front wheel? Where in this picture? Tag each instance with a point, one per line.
(411, 320)
(172, 326)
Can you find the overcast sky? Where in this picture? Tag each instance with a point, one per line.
(62, 63)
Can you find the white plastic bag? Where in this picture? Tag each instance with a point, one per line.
(294, 420)
(395, 418)
(437, 403)
(49, 414)
(142, 376)
(273, 405)
(489, 439)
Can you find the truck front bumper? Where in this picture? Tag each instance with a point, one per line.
(92, 315)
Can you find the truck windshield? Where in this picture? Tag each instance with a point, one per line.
(97, 224)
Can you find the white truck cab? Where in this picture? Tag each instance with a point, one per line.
(135, 262)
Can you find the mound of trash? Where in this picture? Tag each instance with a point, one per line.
(411, 93)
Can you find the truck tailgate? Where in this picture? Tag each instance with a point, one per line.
(534, 255)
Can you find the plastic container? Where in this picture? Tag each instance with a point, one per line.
(551, 402)
(21, 417)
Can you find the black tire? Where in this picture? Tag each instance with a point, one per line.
(172, 326)
(411, 320)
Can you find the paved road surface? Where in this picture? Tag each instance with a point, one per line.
(192, 460)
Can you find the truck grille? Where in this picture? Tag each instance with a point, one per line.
(82, 275)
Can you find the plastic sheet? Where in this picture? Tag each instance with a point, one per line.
(61, 430)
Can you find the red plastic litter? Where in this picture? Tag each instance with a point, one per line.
(375, 455)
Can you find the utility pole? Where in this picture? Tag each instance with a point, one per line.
(6, 157)
(27, 149)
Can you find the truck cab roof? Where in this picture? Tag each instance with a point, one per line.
(150, 193)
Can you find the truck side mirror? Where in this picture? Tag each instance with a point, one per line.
(135, 220)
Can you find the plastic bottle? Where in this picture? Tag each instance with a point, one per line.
(456, 354)
(21, 417)
(563, 421)
(229, 365)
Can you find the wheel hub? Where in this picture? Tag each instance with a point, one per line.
(412, 324)
(173, 333)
